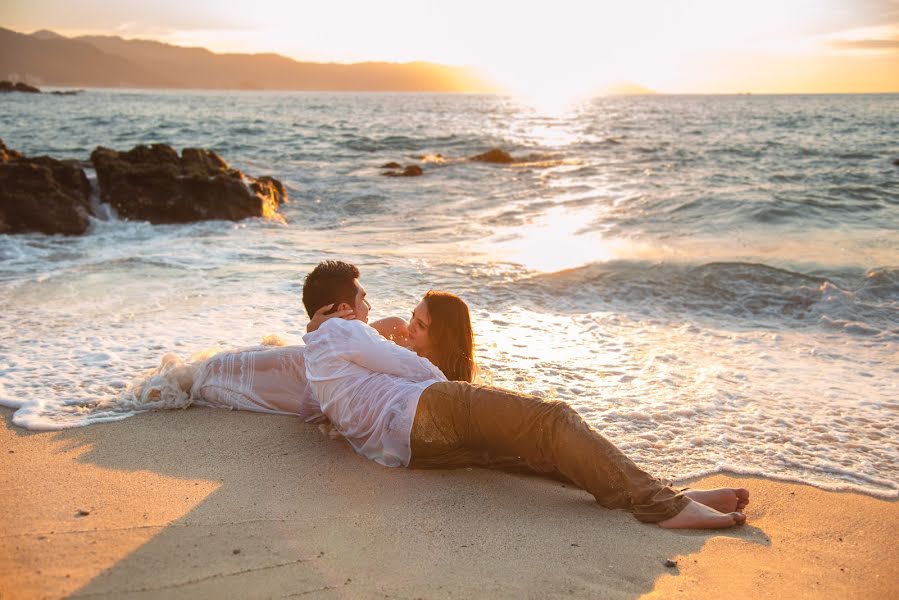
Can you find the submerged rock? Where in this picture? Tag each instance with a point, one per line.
(392, 165)
(409, 171)
(152, 183)
(42, 194)
(494, 155)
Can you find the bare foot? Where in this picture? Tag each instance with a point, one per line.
(700, 516)
(721, 499)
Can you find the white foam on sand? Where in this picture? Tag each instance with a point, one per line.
(814, 404)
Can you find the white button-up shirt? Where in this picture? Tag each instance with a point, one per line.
(368, 387)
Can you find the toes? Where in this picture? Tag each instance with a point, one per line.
(739, 518)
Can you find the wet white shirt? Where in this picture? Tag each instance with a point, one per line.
(368, 387)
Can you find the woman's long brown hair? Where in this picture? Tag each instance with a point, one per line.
(452, 340)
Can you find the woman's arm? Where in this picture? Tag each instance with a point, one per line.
(320, 317)
(394, 329)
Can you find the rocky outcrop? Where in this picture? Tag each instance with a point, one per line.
(9, 86)
(42, 194)
(494, 155)
(153, 183)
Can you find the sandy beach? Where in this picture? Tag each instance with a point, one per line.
(215, 504)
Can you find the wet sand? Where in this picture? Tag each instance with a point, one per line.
(214, 504)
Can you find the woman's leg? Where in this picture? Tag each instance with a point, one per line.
(458, 424)
(271, 380)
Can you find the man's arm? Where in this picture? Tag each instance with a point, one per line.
(394, 329)
(356, 342)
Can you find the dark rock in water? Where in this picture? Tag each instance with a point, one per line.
(494, 155)
(670, 563)
(410, 171)
(392, 165)
(197, 161)
(269, 187)
(896, 161)
(152, 183)
(9, 86)
(41, 194)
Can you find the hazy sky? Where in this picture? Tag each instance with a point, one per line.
(569, 46)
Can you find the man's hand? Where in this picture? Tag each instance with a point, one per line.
(320, 317)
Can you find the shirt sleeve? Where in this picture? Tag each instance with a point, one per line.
(356, 342)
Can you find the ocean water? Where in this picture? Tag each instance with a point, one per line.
(712, 282)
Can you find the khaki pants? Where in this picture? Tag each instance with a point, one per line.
(461, 425)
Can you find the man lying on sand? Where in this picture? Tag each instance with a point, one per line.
(416, 407)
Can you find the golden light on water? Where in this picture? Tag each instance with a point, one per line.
(554, 241)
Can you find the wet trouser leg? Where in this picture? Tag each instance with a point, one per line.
(458, 425)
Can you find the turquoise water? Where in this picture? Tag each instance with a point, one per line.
(712, 281)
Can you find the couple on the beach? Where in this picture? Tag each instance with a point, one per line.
(401, 394)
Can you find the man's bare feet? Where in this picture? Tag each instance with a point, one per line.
(721, 499)
(700, 516)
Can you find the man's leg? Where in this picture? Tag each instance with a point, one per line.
(458, 424)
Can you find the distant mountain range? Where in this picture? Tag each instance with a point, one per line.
(47, 58)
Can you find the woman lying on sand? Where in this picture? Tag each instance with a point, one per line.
(395, 407)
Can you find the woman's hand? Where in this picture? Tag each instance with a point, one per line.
(320, 317)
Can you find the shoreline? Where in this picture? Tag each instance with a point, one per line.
(207, 502)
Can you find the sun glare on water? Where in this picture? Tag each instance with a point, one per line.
(553, 242)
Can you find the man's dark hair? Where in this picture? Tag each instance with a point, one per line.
(331, 282)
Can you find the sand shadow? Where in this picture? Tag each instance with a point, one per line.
(291, 512)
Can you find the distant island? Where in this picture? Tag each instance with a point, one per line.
(45, 58)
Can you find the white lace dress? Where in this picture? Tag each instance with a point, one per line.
(261, 379)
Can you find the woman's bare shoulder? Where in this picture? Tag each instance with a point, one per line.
(394, 329)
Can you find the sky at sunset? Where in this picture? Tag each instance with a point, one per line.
(568, 46)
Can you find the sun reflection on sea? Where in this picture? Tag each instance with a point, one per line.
(554, 241)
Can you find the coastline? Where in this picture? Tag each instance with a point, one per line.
(212, 503)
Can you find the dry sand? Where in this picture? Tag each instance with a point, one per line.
(216, 504)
